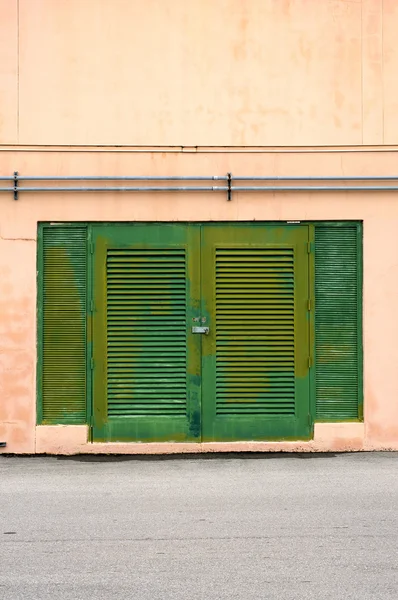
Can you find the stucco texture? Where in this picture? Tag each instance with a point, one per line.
(204, 72)
(18, 231)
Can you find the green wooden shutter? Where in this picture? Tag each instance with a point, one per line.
(338, 325)
(62, 327)
(146, 332)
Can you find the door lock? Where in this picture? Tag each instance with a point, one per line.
(204, 330)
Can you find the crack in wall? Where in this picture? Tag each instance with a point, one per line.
(21, 239)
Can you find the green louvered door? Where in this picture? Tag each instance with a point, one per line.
(157, 380)
(255, 292)
(146, 365)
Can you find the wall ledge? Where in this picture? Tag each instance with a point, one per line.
(200, 149)
(73, 439)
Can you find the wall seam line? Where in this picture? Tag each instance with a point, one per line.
(362, 78)
(18, 95)
(382, 72)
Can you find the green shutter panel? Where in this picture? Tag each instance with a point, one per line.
(255, 342)
(146, 332)
(338, 322)
(63, 324)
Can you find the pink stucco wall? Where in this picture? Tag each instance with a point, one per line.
(256, 87)
(203, 72)
(18, 231)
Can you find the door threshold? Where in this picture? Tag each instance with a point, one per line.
(198, 447)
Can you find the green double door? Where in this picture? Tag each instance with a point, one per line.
(201, 332)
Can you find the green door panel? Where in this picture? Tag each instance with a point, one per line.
(146, 384)
(255, 359)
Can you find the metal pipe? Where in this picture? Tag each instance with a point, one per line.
(316, 188)
(202, 178)
(121, 178)
(276, 184)
(326, 188)
(323, 178)
(309, 188)
(120, 189)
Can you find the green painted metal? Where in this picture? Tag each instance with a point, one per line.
(241, 399)
(311, 322)
(146, 383)
(62, 327)
(89, 330)
(256, 358)
(338, 321)
(250, 285)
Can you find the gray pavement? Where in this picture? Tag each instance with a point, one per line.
(273, 527)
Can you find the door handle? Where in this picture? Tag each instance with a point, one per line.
(204, 330)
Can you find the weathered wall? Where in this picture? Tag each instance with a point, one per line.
(8, 72)
(204, 72)
(18, 230)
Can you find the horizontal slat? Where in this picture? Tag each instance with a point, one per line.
(150, 290)
(250, 411)
(158, 361)
(250, 387)
(162, 370)
(139, 397)
(155, 279)
(138, 356)
(248, 408)
(251, 293)
(145, 412)
(161, 298)
(269, 328)
(147, 254)
(260, 341)
(146, 321)
(249, 255)
(254, 337)
(150, 311)
(153, 343)
(257, 303)
(135, 382)
(260, 351)
(144, 389)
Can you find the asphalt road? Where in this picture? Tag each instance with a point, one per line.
(275, 527)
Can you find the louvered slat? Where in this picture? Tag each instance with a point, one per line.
(336, 322)
(255, 364)
(146, 333)
(63, 380)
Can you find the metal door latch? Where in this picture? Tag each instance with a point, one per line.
(204, 330)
